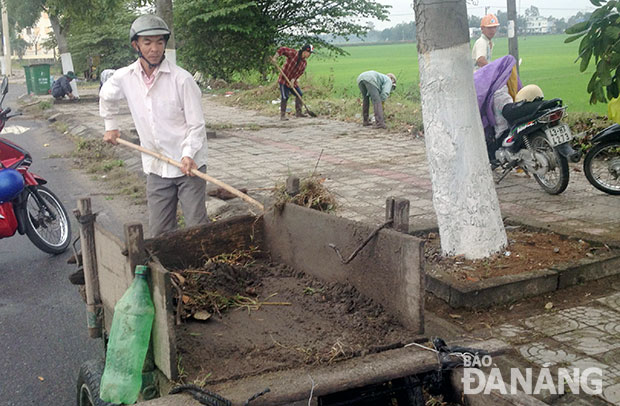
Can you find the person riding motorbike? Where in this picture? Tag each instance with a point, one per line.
(497, 84)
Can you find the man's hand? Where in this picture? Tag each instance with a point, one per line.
(111, 136)
(188, 164)
(274, 58)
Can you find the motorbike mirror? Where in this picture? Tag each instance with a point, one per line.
(4, 87)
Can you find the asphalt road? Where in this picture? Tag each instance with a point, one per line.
(43, 336)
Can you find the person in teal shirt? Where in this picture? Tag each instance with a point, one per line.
(375, 86)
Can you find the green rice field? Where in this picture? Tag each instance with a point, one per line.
(547, 62)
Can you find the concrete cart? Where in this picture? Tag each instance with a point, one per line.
(388, 270)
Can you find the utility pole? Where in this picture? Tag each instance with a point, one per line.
(6, 40)
(513, 46)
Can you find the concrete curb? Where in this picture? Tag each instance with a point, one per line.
(510, 288)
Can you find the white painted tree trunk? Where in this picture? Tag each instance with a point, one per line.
(464, 195)
(164, 10)
(67, 65)
(63, 49)
(6, 43)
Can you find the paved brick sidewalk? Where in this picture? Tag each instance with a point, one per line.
(364, 166)
(586, 336)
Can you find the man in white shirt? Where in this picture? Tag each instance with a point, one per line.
(483, 47)
(165, 104)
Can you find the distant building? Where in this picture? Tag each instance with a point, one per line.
(538, 25)
(474, 32)
(35, 36)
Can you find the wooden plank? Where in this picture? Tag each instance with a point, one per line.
(163, 335)
(294, 385)
(187, 247)
(114, 273)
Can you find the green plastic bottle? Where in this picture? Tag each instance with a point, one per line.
(129, 341)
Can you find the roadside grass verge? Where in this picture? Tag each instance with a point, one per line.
(402, 109)
(99, 159)
(330, 88)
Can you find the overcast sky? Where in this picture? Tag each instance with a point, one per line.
(402, 10)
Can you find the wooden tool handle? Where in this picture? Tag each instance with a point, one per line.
(194, 171)
(287, 80)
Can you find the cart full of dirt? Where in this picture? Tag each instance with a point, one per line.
(244, 315)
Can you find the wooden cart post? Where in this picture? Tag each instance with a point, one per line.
(134, 240)
(94, 309)
(397, 209)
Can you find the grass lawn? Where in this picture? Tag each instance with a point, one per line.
(547, 62)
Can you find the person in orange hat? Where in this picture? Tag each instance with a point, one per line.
(483, 47)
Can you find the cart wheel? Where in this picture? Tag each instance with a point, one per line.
(88, 382)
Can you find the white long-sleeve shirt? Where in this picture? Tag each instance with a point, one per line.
(168, 115)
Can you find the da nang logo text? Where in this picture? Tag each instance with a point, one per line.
(532, 381)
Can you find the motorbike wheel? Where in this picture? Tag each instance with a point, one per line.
(555, 179)
(51, 235)
(602, 167)
(88, 384)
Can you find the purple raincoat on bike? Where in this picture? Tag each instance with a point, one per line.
(487, 80)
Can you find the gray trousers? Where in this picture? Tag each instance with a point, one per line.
(163, 196)
(369, 89)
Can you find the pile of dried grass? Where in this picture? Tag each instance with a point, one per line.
(312, 194)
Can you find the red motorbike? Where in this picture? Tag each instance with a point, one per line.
(26, 206)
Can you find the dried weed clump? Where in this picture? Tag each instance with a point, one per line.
(312, 194)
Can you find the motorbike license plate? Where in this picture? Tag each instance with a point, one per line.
(558, 135)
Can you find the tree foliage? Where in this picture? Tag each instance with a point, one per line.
(25, 14)
(224, 37)
(106, 39)
(601, 42)
(532, 12)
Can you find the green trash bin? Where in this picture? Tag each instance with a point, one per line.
(38, 78)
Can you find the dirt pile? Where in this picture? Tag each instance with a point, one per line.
(527, 250)
(269, 317)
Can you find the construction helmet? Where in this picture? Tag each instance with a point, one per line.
(489, 20)
(529, 93)
(147, 25)
(11, 183)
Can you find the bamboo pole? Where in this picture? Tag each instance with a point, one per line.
(196, 172)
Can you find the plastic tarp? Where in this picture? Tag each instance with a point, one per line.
(490, 78)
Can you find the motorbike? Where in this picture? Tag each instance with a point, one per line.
(602, 162)
(537, 142)
(26, 205)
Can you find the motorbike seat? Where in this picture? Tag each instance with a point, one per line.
(524, 111)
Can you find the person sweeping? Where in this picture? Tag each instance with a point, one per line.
(294, 67)
(165, 104)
